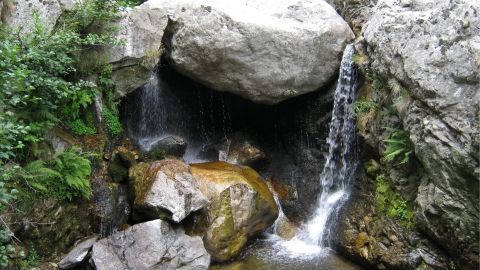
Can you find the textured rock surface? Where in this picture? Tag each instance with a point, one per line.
(378, 240)
(165, 189)
(265, 51)
(150, 245)
(18, 14)
(241, 207)
(432, 48)
(170, 145)
(142, 29)
(78, 254)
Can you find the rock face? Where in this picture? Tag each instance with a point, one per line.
(142, 29)
(241, 207)
(165, 189)
(379, 240)
(432, 49)
(265, 51)
(18, 14)
(150, 245)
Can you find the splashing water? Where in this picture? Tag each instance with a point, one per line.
(340, 166)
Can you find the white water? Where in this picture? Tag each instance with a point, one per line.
(340, 166)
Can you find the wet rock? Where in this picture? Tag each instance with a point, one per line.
(150, 245)
(122, 159)
(244, 152)
(165, 189)
(241, 207)
(304, 41)
(134, 60)
(78, 254)
(367, 235)
(170, 145)
(111, 204)
(432, 52)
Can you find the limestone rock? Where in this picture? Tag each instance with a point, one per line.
(265, 51)
(165, 189)
(432, 48)
(150, 245)
(241, 207)
(78, 254)
(18, 14)
(141, 29)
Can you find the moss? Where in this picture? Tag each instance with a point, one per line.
(392, 204)
(141, 182)
(226, 172)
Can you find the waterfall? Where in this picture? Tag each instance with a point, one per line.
(340, 165)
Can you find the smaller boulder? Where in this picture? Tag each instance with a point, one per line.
(78, 254)
(165, 189)
(171, 145)
(150, 245)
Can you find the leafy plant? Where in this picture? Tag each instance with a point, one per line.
(391, 203)
(364, 106)
(33, 257)
(399, 148)
(63, 178)
(112, 121)
(80, 128)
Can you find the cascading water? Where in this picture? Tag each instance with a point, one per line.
(340, 165)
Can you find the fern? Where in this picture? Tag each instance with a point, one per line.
(63, 178)
(398, 147)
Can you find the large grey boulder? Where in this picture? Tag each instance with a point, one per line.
(165, 189)
(265, 51)
(433, 48)
(150, 245)
(19, 13)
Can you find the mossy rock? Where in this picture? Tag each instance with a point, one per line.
(241, 207)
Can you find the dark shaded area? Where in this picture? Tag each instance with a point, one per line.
(292, 134)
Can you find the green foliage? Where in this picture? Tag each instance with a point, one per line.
(364, 106)
(81, 127)
(112, 121)
(130, 3)
(391, 203)
(6, 195)
(399, 148)
(32, 258)
(6, 248)
(37, 74)
(378, 83)
(110, 113)
(62, 178)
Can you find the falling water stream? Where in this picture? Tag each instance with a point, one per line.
(340, 165)
(309, 249)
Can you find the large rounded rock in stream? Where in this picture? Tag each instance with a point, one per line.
(164, 189)
(241, 207)
(263, 50)
(150, 245)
